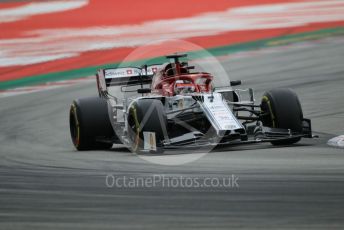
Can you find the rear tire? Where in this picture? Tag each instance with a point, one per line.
(147, 115)
(89, 122)
(283, 110)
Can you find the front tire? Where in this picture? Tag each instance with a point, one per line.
(282, 109)
(89, 124)
(147, 115)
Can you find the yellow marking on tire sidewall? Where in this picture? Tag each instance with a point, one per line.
(73, 110)
(266, 99)
(137, 128)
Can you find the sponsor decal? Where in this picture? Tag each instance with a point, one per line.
(122, 72)
(219, 111)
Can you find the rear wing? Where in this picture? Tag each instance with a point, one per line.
(126, 76)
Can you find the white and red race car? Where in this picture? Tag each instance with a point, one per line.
(170, 106)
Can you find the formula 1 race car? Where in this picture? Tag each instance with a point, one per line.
(168, 106)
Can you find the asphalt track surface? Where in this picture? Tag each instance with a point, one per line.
(46, 184)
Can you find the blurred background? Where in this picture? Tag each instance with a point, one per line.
(46, 46)
(39, 38)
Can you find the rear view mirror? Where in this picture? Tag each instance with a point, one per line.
(144, 90)
(237, 82)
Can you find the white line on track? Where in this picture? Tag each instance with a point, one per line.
(44, 45)
(337, 141)
(236, 55)
(37, 8)
(46, 86)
